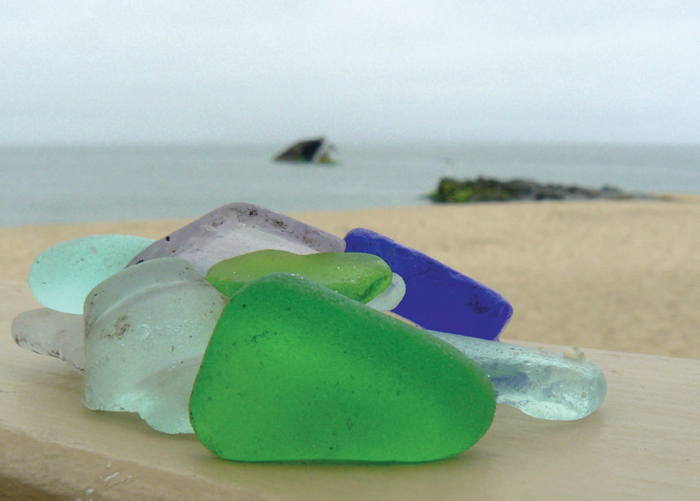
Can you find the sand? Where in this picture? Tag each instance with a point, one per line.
(620, 276)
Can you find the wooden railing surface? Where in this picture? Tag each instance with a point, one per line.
(643, 443)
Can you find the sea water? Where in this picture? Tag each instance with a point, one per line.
(90, 183)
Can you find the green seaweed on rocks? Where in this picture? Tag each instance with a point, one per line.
(484, 189)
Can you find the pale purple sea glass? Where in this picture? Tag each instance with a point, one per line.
(235, 229)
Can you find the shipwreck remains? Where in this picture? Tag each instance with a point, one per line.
(313, 151)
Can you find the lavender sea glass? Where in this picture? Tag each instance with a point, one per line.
(437, 296)
(235, 229)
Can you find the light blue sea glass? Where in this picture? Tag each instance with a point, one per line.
(62, 275)
(146, 328)
(235, 229)
(540, 383)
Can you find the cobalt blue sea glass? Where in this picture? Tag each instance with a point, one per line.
(437, 297)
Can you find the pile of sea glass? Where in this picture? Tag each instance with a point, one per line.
(266, 337)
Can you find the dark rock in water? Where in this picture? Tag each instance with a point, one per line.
(494, 190)
(309, 151)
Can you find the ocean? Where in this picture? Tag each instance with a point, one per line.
(90, 183)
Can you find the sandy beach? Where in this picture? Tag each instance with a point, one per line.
(620, 276)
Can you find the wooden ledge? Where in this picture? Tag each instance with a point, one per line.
(643, 443)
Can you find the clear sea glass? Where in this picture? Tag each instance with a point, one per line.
(297, 372)
(53, 333)
(145, 327)
(437, 296)
(540, 383)
(62, 275)
(235, 229)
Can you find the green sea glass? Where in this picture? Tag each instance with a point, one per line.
(62, 275)
(355, 275)
(297, 372)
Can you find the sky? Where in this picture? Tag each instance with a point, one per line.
(212, 71)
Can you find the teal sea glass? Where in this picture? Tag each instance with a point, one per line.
(297, 372)
(145, 329)
(62, 275)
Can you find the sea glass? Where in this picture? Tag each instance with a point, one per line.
(540, 383)
(235, 229)
(62, 275)
(297, 372)
(53, 333)
(145, 328)
(390, 297)
(437, 296)
(358, 276)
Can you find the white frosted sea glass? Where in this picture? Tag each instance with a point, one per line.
(143, 327)
(235, 229)
(164, 397)
(53, 333)
(390, 297)
(62, 275)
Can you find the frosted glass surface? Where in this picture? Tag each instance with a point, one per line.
(164, 396)
(143, 324)
(355, 275)
(235, 229)
(53, 333)
(62, 275)
(297, 372)
(391, 296)
(540, 383)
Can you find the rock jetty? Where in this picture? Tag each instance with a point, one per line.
(483, 189)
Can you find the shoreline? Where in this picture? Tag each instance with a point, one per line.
(611, 275)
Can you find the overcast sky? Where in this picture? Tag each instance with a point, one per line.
(270, 71)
